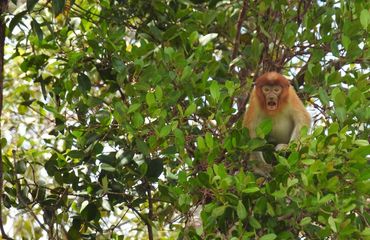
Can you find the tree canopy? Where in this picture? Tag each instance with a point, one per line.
(120, 117)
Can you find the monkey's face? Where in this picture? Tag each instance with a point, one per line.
(272, 90)
(271, 94)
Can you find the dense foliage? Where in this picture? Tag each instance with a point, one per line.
(121, 116)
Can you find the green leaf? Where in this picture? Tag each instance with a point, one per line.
(104, 117)
(104, 183)
(120, 68)
(366, 232)
(257, 48)
(43, 88)
(293, 158)
(292, 182)
(270, 210)
(31, 4)
(346, 41)
(333, 183)
(179, 137)
(150, 99)
(203, 40)
(332, 224)
(360, 152)
(305, 221)
(165, 131)
(155, 169)
(193, 38)
(184, 199)
(308, 161)
(251, 190)
(58, 6)
(324, 98)
(215, 90)
(334, 49)
(158, 93)
(76, 154)
(341, 113)
(241, 211)
(326, 199)
(90, 212)
(133, 107)
(218, 211)
(3, 142)
(84, 83)
(281, 193)
(318, 131)
(254, 222)
(16, 20)
(230, 85)
(209, 140)
(143, 168)
(264, 128)
(171, 33)
(201, 144)
(20, 167)
(365, 18)
(142, 147)
(190, 109)
(119, 111)
(51, 165)
(361, 142)
(333, 128)
(339, 97)
(270, 236)
(107, 167)
(186, 73)
(37, 29)
(138, 120)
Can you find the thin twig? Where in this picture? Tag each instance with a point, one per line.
(22, 201)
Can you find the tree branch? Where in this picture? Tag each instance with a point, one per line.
(150, 213)
(243, 72)
(3, 9)
(238, 28)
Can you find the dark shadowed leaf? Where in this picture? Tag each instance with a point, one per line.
(155, 169)
(84, 83)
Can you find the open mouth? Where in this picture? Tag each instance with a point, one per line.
(271, 105)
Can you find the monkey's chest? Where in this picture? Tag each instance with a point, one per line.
(282, 128)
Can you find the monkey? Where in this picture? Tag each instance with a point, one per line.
(274, 98)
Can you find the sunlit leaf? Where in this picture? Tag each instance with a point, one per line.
(215, 90)
(203, 40)
(268, 237)
(241, 211)
(365, 18)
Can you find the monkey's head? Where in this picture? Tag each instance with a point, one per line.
(272, 91)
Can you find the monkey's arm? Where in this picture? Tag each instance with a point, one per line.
(300, 115)
(251, 121)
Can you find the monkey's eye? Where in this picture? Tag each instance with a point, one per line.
(277, 89)
(266, 89)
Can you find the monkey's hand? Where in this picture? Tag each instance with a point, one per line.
(281, 147)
